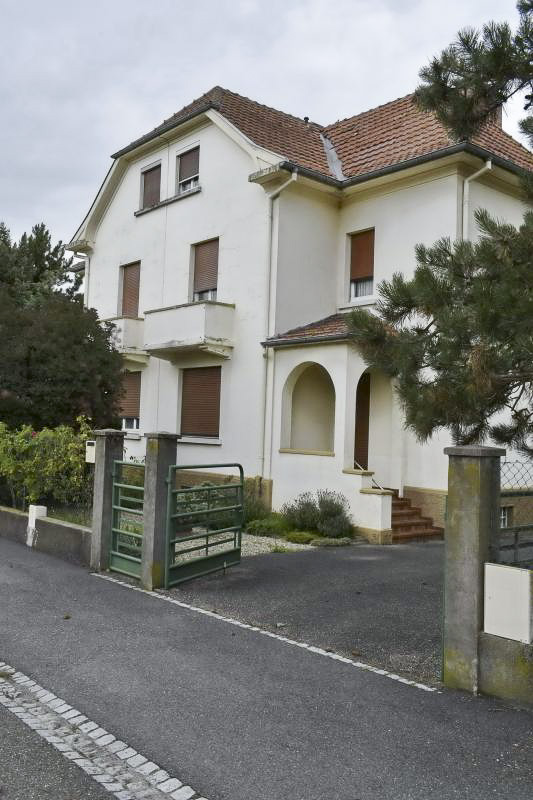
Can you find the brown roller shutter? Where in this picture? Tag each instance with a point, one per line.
(131, 394)
(130, 289)
(200, 401)
(206, 266)
(189, 164)
(362, 255)
(151, 186)
(362, 421)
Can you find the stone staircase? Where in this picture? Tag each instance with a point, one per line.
(408, 524)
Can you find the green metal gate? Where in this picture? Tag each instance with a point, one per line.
(204, 525)
(127, 518)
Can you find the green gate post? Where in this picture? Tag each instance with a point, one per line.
(109, 448)
(160, 455)
(471, 539)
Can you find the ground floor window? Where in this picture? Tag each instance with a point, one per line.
(200, 401)
(130, 400)
(506, 516)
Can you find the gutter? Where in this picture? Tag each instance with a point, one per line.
(274, 343)
(268, 372)
(465, 217)
(166, 126)
(466, 147)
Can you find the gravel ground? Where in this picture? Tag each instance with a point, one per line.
(257, 545)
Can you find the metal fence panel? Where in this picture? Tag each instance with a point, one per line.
(127, 519)
(516, 513)
(204, 524)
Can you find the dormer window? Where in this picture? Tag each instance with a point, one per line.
(361, 264)
(151, 186)
(188, 170)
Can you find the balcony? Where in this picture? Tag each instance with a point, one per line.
(205, 327)
(129, 338)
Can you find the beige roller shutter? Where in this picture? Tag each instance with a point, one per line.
(200, 401)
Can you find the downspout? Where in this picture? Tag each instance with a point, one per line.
(268, 355)
(466, 197)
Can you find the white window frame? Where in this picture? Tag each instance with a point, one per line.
(183, 187)
(358, 282)
(202, 297)
(134, 427)
(506, 513)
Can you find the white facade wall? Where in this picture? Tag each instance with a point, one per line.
(236, 211)
(307, 234)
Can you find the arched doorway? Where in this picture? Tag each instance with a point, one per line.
(362, 421)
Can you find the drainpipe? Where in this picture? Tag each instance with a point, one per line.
(466, 197)
(270, 286)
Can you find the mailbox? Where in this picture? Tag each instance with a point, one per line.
(90, 451)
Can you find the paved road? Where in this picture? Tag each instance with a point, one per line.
(384, 603)
(30, 769)
(240, 716)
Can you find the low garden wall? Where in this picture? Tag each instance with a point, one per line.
(55, 537)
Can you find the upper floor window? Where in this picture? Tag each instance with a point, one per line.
(130, 400)
(200, 401)
(361, 264)
(205, 270)
(130, 290)
(188, 168)
(151, 186)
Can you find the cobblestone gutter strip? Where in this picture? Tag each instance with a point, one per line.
(120, 769)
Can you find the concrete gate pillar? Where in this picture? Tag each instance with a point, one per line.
(109, 448)
(471, 539)
(160, 455)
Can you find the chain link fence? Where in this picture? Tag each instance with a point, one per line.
(516, 513)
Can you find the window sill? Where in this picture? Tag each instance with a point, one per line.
(133, 435)
(306, 452)
(367, 300)
(200, 440)
(167, 202)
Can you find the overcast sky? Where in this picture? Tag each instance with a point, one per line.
(81, 79)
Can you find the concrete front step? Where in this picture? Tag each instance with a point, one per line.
(417, 535)
(412, 522)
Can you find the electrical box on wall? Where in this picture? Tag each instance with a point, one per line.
(90, 451)
(508, 602)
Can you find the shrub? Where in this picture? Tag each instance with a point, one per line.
(47, 465)
(254, 506)
(325, 511)
(300, 537)
(325, 541)
(303, 513)
(273, 525)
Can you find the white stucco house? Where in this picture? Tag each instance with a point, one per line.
(228, 244)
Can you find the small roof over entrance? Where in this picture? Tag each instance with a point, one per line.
(330, 329)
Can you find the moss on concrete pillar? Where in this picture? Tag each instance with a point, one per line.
(471, 539)
(109, 448)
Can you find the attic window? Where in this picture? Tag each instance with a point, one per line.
(188, 170)
(151, 186)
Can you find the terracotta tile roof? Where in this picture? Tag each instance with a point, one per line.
(334, 327)
(291, 137)
(382, 137)
(398, 131)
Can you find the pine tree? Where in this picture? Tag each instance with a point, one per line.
(458, 337)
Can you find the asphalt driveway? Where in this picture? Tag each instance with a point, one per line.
(383, 604)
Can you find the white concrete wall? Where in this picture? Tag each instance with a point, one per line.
(306, 247)
(236, 211)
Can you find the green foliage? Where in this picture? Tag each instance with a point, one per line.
(324, 511)
(478, 73)
(300, 537)
(57, 361)
(48, 465)
(302, 513)
(272, 525)
(458, 337)
(32, 269)
(254, 507)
